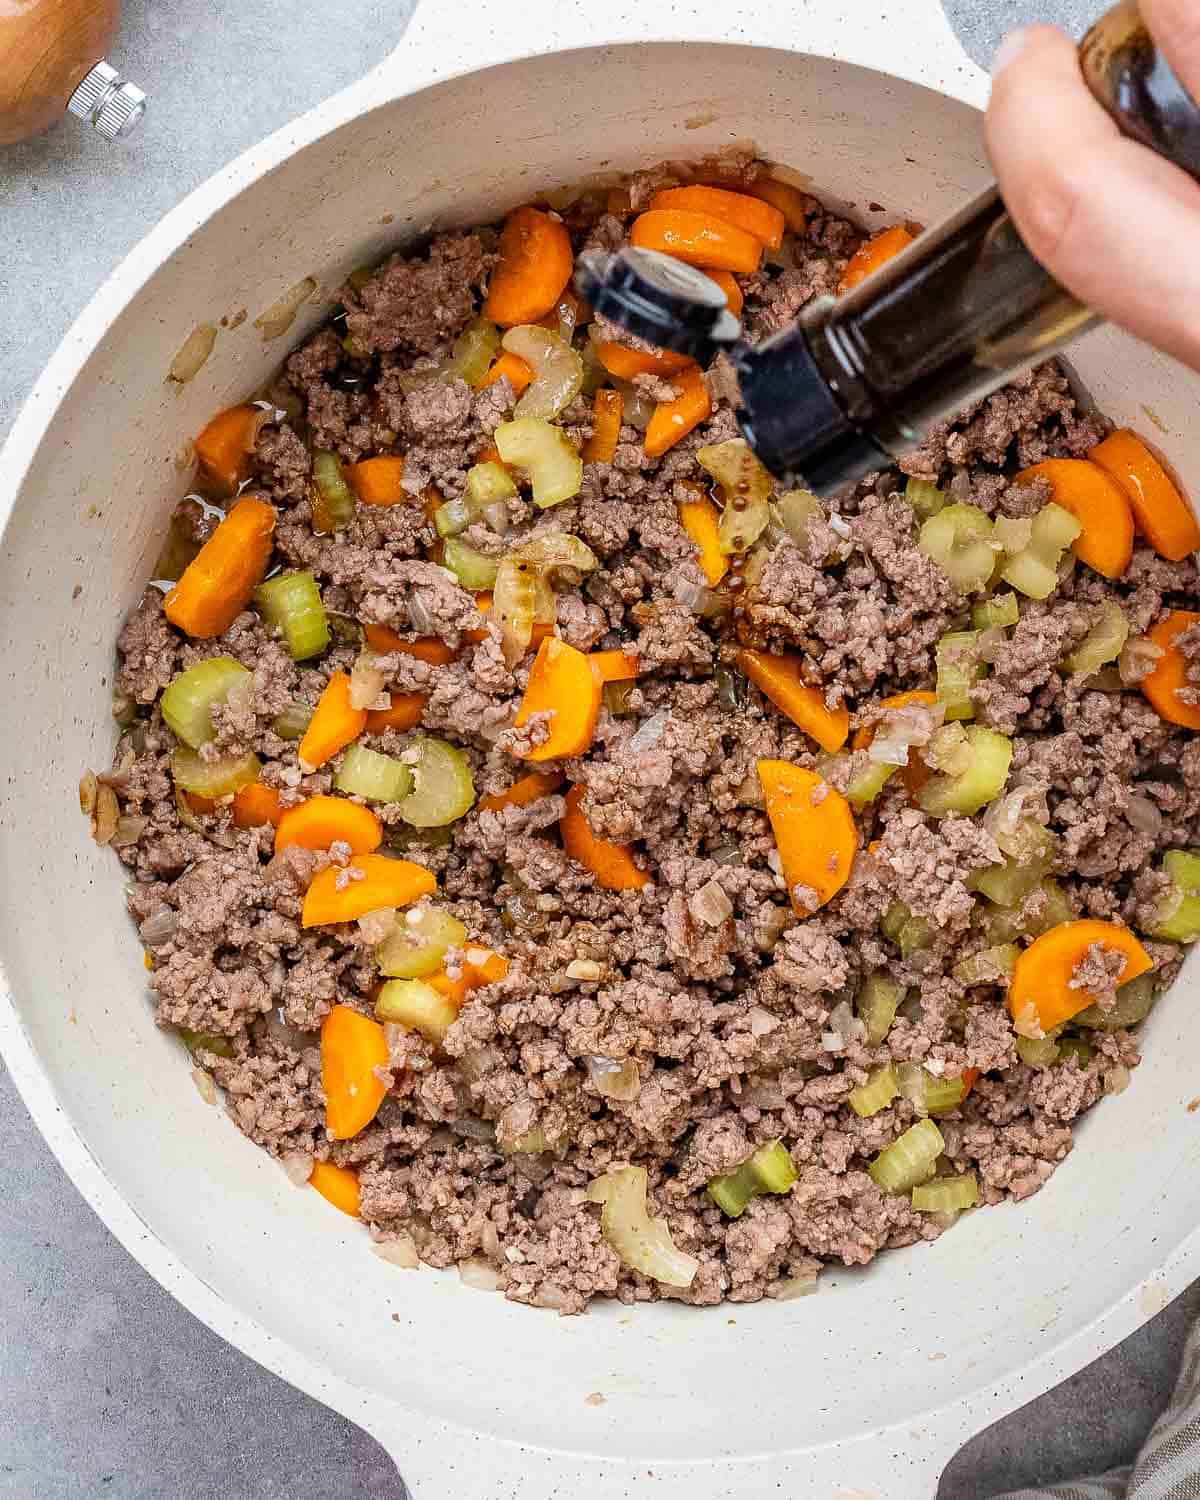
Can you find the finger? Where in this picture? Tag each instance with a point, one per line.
(1175, 27)
(1114, 222)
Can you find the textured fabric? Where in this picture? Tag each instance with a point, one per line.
(1167, 1468)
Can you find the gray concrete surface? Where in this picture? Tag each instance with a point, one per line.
(107, 1387)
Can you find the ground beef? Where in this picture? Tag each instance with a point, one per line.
(707, 1010)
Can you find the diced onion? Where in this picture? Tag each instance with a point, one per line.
(513, 605)
(398, 1251)
(711, 905)
(159, 927)
(615, 1080)
(193, 353)
(279, 317)
(479, 1275)
(366, 682)
(649, 733)
(557, 370)
(792, 1287)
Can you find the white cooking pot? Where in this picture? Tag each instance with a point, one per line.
(864, 1390)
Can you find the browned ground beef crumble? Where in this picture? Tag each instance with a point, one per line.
(724, 1022)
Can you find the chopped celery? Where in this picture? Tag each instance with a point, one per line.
(377, 778)
(909, 933)
(946, 1195)
(291, 604)
(926, 1092)
(546, 454)
(1178, 914)
(417, 1005)
(642, 1243)
(1009, 884)
(864, 784)
(769, 1170)
(472, 353)
(1032, 566)
(959, 539)
(877, 1003)
(1076, 1047)
(1134, 1002)
(205, 1041)
(974, 788)
(557, 370)
(996, 613)
(892, 922)
(874, 1095)
(909, 1160)
(1103, 643)
(443, 788)
(958, 666)
(188, 702)
(293, 721)
(925, 498)
(452, 517)
(418, 943)
(487, 483)
(988, 966)
(473, 569)
(213, 778)
(1037, 1052)
(336, 502)
(1003, 925)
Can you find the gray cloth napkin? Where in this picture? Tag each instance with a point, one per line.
(1167, 1468)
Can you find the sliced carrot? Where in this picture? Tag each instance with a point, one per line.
(511, 367)
(875, 253)
(673, 420)
(490, 454)
(615, 666)
(700, 519)
(535, 265)
(1098, 503)
(779, 678)
(525, 790)
(733, 292)
(379, 481)
(335, 722)
(427, 648)
(1162, 514)
(352, 1047)
(563, 683)
(611, 864)
(1040, 989)
(699, 239)
(490, 969)
(339, 1185)
(256, 804)
(374, 882)
(319, 822)
(608, 410)
(814, 830)
(404, 712)
(225, 445)
(1170, 671)
(916, 773)
(754, 215)
(624, 363)
(216, 585)
(789, 200)
(970, 1077)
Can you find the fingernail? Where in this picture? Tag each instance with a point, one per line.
(1009, 50)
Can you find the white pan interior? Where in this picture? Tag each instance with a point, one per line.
(875, 1348)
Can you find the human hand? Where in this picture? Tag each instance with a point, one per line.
(1117, 224)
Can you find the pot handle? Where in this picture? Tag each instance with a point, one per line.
(437, 1459)
(912, 39)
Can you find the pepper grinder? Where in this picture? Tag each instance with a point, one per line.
(52, 59)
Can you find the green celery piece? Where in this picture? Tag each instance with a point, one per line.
(443, 788)
(189, 700)
(959, 539)
(946, 1195)
(996, 613)
(925, 498)
(1034, 570)
(1076, 1047)
(291, 604)
(1103, 643)
(1038, 1052)
(892, 922)
(489, 482)
(732, 1191)
(876, 1094)
(958, 666)
(1055, 527)
(772, 1165)
(1009, 884)
(546, 454)
(372, 776)
(340, 502)
(909, 1160)
(1178, 916)
(865, 785)
(293, 721)
(419, 942)
(473, 352)
(473, 569)
(417, 1005)
(983, 780)
(205, 1041)
(989, 966)
(1134, 1002)
(213, 778)
(927, 1093)
(453, 517)
(769, 1170)
(877, 1003)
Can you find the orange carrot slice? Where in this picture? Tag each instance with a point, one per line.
(1163, 515)
(352, 1047)
(624, 363)
(255, 804)
(404, 712)
(225, 445)
(338, 1185)
(608, 410)
(814, 831)
(375, 882)
(615, 666)
(1170, 671)
(699, 518)
(611, 864)
(525, 790)
(754, 215)
(383, 638)
(489, 968)
(535, 265)
(563, 683)
(875, 253)
(779, 678)
(216, 585)
(916, 773)
(733, 292)
(1098, 503)
(673, 420)
(321, 822)
(700, 239)
(379, 481)
(1040, 989)
(335, 722)
(512, 367)
(789, 200)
